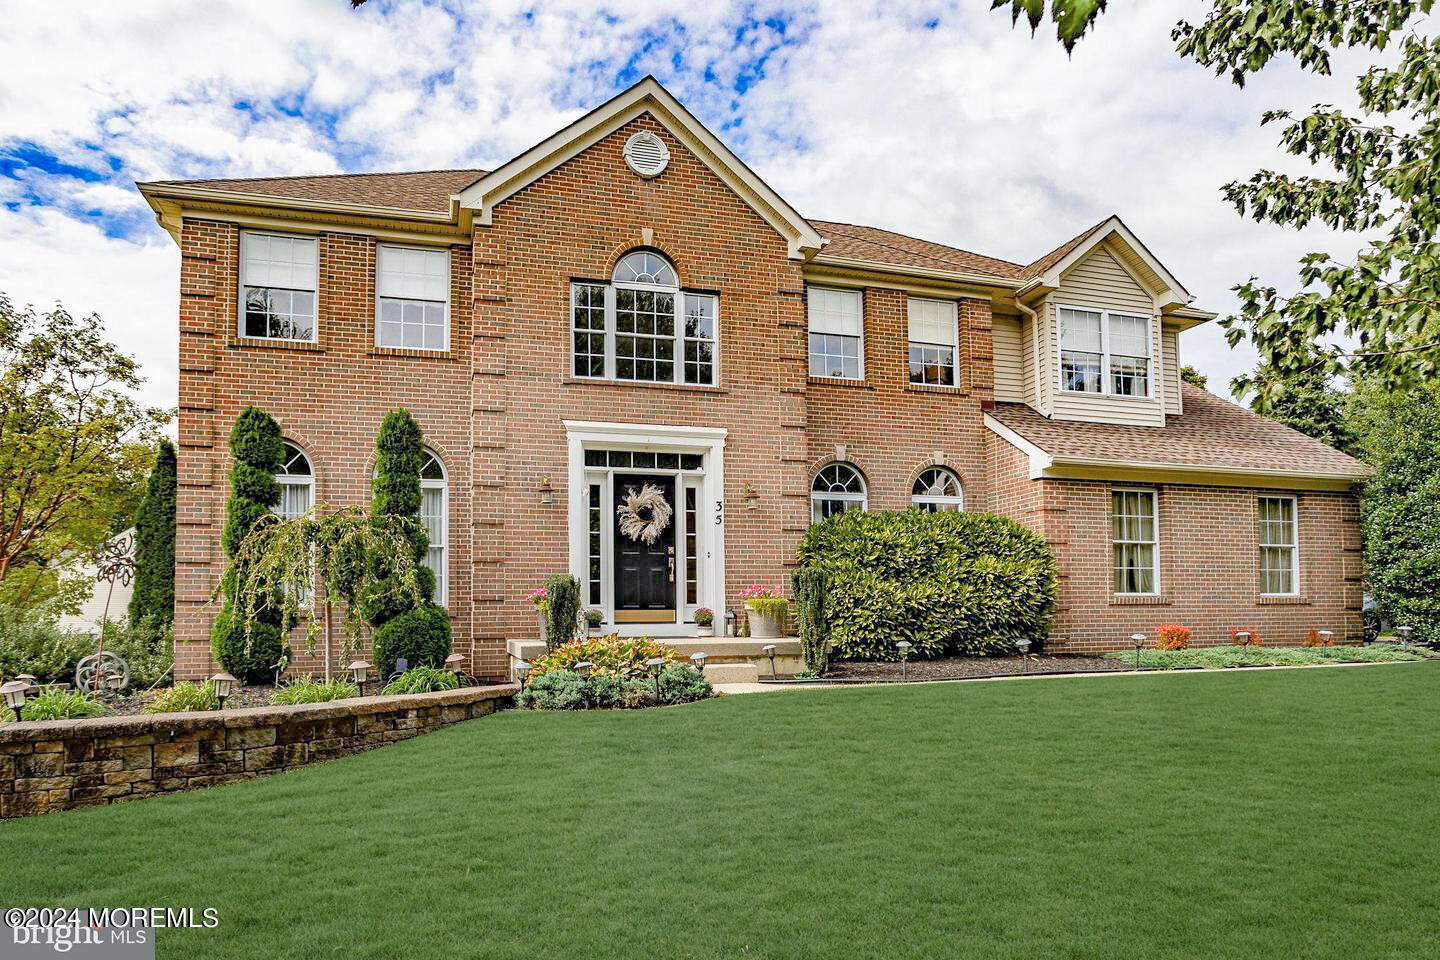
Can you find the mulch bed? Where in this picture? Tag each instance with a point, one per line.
(956, 668)
(240, 697)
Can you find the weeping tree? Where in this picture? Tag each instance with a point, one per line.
(415, 629)
(154, 596)
(248, 640)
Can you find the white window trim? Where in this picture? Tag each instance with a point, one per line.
(1294, 549)
(1155, 553)
(860, 296)
(862, 498)
(240, 286)
(954, 344)
(611, 332)
(940, 501)
(1105, 355)
(445, 254)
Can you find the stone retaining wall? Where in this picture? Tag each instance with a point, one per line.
(64, 764)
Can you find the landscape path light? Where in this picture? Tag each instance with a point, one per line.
(1404, 635)
(655, 663)
(904, 647)
(769, 651)
(27, 678)
(453, 662)
(697, 659)
(1243, 636)
(1139, 640)
(584, 667)
(14, 693)
(1024, 647)
(1325, 636)
(358, 672)
(223, 684)
(522, 670)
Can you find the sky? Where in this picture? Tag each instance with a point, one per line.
(934, 119)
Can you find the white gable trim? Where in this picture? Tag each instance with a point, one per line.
(647, 96)
(1172, 292)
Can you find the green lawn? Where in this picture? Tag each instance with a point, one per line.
(1250, 814)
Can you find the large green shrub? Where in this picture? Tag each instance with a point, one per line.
(419, 635)
(247, 647)
(562, 610)
(32, 642)
(564, 689)
(154, 596)
(809, 585)
(949, 583)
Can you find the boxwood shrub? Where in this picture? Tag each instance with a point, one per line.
(950, 583)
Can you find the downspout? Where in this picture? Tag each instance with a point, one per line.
(1035, 351)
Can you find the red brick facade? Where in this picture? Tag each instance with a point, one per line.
(492, 408)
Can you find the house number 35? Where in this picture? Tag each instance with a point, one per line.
(719, 512)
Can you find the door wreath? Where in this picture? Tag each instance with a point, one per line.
(644, 514)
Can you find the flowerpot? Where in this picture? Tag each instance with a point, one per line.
(706, 631)
(765, 628)
(544, 623)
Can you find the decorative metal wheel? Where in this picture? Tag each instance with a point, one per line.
(100, 672)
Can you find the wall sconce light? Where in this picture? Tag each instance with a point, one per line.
(14, 693)
(1139, 640)
(904, 647)
(223, 684)
(547, 492)
(752, 496)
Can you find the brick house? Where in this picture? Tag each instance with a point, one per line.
(626, 304)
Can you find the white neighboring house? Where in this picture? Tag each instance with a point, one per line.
(93, 609)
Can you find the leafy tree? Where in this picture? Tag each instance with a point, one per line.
(72, 447)
(154, 595)
(1401, 516)
(406, 627)
(1307, 402)
(1190, 375)
(248, 639)
(1374, 177)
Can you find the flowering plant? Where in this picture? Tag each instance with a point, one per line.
(760, 593)
(539, 597)
(704, 616)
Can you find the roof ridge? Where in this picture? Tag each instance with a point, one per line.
(324, 176)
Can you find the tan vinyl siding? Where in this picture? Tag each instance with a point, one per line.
(1100, 281)
(1009, 360)
(1174, 405)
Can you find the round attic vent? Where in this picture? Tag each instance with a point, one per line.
(646, 154)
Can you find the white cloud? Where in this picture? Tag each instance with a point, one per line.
(970, 133)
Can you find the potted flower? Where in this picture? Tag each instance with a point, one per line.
(704, 622)
(768, 610)
(594, 620)
(540, 599)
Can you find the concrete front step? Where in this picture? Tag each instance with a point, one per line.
(744, 672)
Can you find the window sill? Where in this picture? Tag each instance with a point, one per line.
(643, 384)
(1282, 600)
(839, 382)
(1105, 396)
(1139, 600)
(411, 352)
(953, 390)
(300, 346)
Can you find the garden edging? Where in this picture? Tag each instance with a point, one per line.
(63, 764)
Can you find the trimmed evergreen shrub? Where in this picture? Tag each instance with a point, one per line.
(949, 583)
(258, 452)
(420, 637)
(562, 610)
(154, 595)
(564, 689)
(809, 585)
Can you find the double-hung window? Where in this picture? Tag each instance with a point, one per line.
(278, 277)
(836, 333)
(642, 327)
(933, 338)
(1279, 547)
(1134, 536)
(412, 292)
(1104, 352)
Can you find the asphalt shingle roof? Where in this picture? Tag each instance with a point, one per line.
(424, 191)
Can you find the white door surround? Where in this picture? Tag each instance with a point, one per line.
(706, 442)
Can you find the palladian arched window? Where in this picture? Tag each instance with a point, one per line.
(937, 490)
(641, 326)
(837, 488)
(297, 483)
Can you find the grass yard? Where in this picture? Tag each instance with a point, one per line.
(1214, 815)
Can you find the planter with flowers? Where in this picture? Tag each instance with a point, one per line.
(704, 622)
(768, 611)
(540, 599)
(594, 620)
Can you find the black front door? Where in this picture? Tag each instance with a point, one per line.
(644, 571)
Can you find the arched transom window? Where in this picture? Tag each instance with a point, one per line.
(297, 483)
(937, 490)
(435, 518)
(837, 488)
(641, 326)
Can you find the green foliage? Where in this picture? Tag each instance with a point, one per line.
(770, 608)
(62, 705)
(562, 609)
(1376, 170)
(1072, 17)
(154, 594)
(564, 689)
(421, 637)
(949, 583)
(422, 680)
(148, 646)
(611, 656)
(248, 654)
(1190, 375)
(309, 690)
(1401, 519)
(73, 447)
(1215, 658)
(809, 584)
(184, 696)
(31, 641)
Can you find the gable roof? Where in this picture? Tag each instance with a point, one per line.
(1045, 273)
(645, 97)
(851, 241)
(1039, 267)
(421, 191)
(1212, 435)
